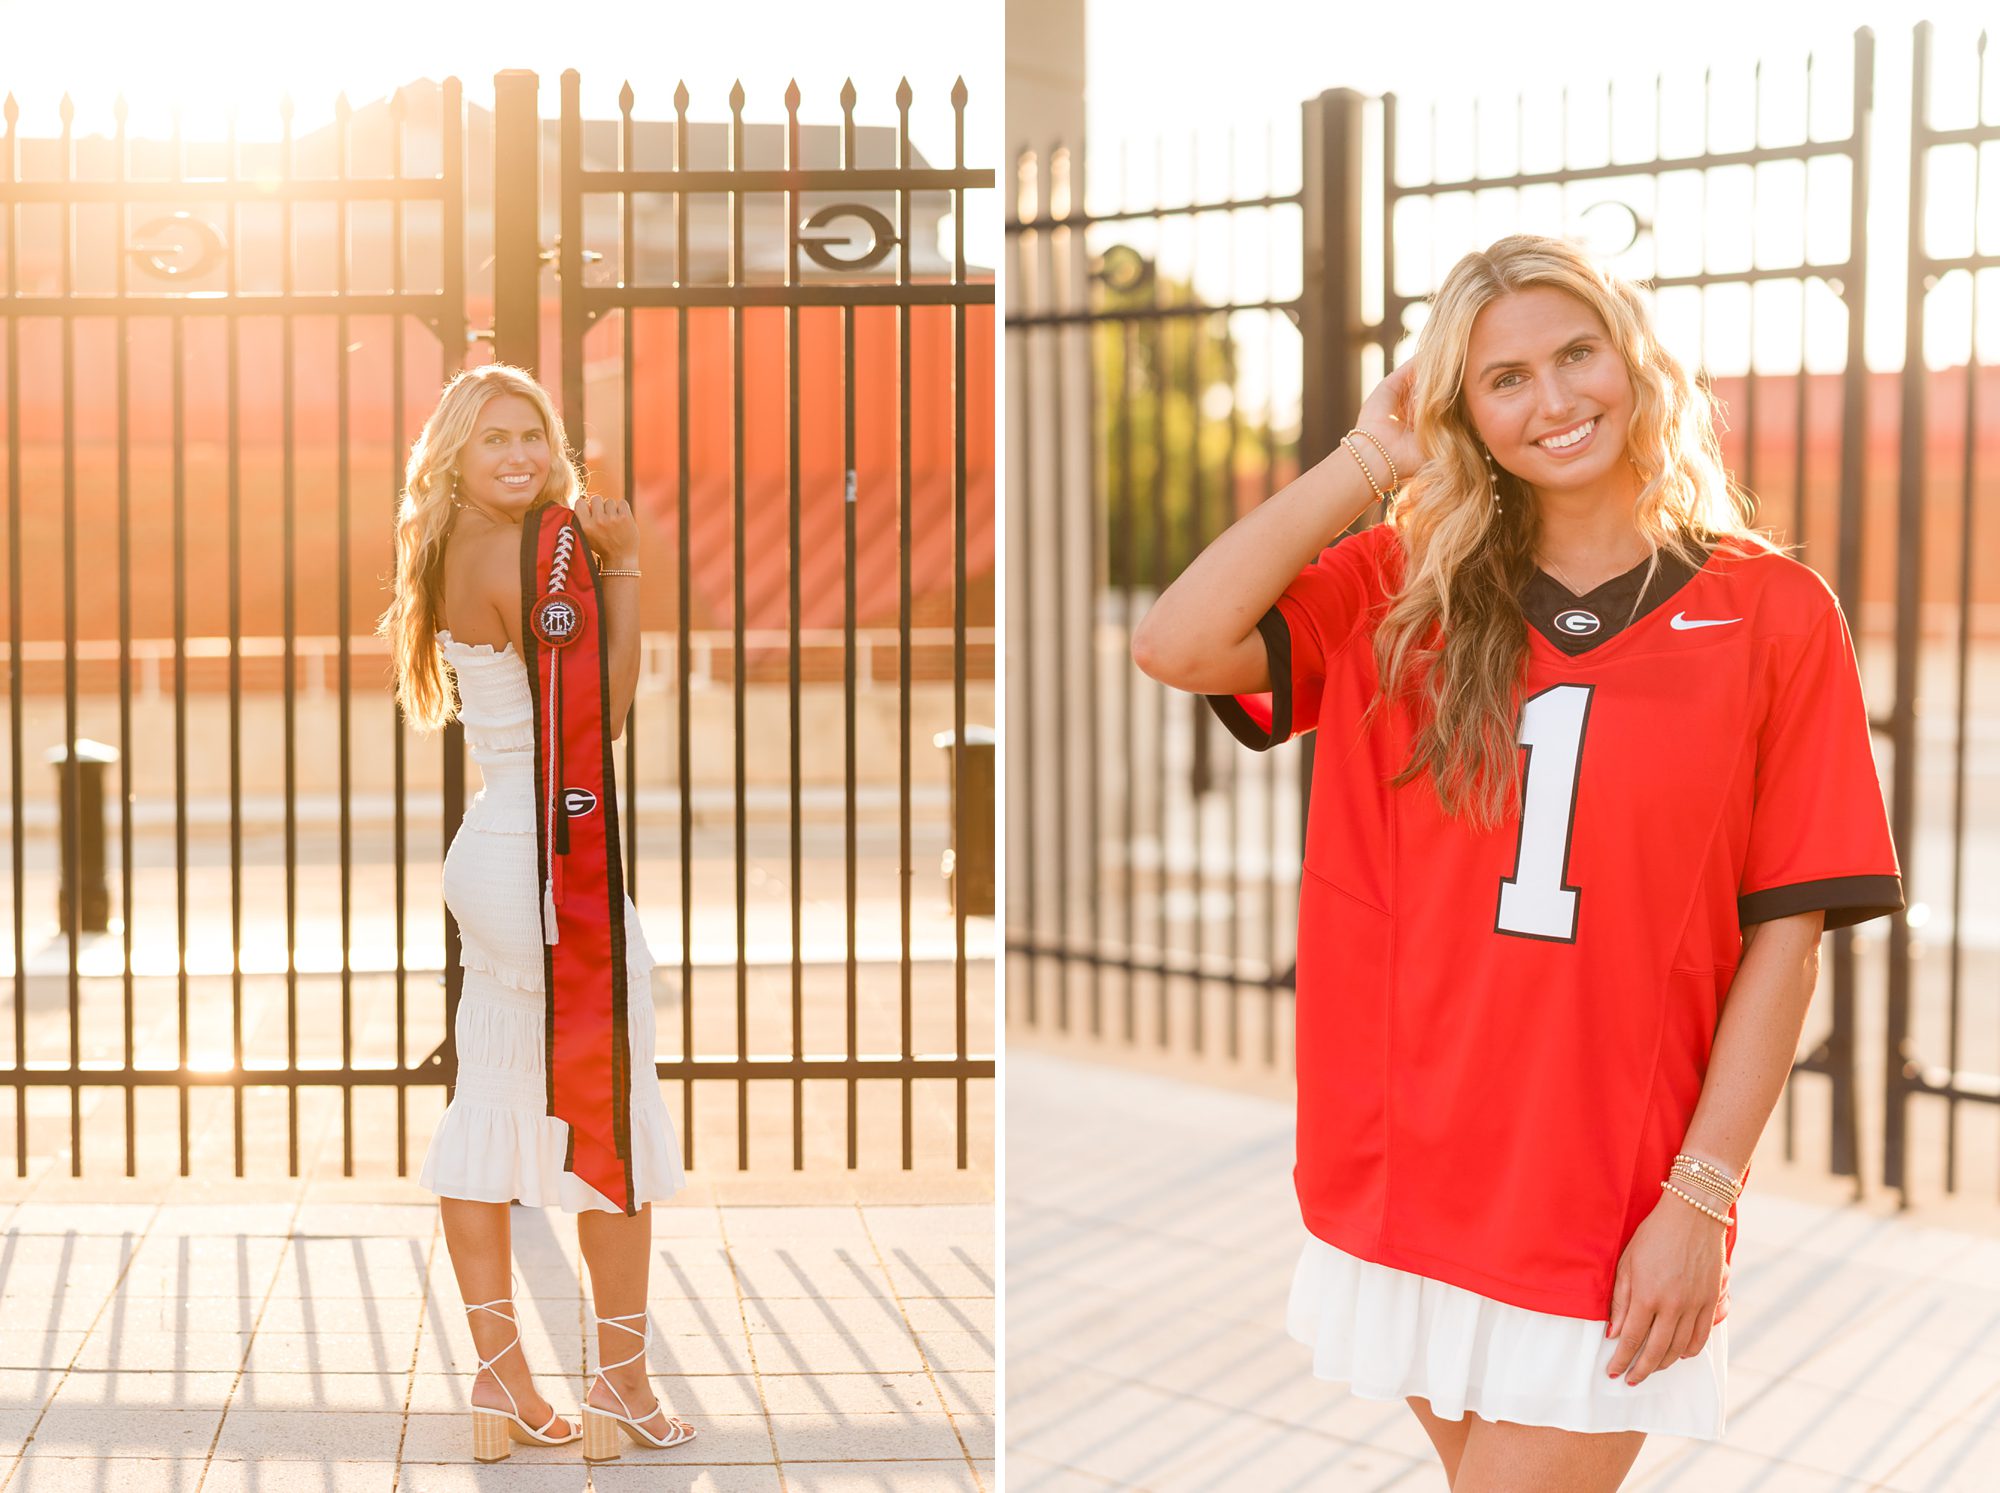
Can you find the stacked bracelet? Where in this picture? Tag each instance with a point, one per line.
(1708, 1176)
(1355, 451)
(1394, 481)
(1695, 1203)
(1708, 1182)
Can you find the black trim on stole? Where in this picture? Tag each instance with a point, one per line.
(614, 879)
(531, 655)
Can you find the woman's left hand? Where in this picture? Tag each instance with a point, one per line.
(611, 529)
(1664, 1295)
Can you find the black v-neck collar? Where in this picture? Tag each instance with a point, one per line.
(1577, 624)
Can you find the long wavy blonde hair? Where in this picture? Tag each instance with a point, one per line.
(424, 524)
(1454, 637)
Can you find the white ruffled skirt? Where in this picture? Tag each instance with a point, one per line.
(1389, 1334)
(496, 1142)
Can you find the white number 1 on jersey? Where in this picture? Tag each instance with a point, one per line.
(1537, 901)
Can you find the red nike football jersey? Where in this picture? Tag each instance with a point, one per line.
(1502, 1036)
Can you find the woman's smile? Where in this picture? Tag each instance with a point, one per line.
(1570, 440)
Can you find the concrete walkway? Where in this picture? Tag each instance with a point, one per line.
(1151, 1233)
(307, 1337)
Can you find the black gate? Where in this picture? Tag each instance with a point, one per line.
(216, 355)
(217, 266)
(712, 178)
(1142, 445)
(1935, 1046)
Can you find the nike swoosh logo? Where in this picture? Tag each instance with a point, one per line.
(1682, 622)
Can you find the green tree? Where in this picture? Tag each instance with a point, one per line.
(1172, 445)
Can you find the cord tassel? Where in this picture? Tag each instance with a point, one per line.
(555, 816)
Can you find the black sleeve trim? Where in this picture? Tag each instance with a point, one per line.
(1278, 650)
(1846, 900)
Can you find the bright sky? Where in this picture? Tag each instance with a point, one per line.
(203, 55)
(1163, 69)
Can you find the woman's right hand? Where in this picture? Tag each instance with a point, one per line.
(1386, 415)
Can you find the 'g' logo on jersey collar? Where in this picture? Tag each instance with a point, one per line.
(1577, 622)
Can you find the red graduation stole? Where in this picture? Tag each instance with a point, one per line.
(588, 1055)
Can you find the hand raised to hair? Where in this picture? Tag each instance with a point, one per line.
(1387, 415)
(611, 529)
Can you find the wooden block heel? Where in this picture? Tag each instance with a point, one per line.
(490, 1441)
(495, 1431)
(601, 1436)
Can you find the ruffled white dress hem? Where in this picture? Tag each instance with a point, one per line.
(1390, 1334)
(487, 1153)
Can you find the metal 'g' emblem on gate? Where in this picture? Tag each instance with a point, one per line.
(1123, 268)
(819, 246)
(197, 244)
(1613, 238)
(556, 619)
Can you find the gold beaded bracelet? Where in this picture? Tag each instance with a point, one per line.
(1692, 1160)
(1355, 451)
(1721, 1218)
(1708, 1172)
(1704, 1189)
(1394, 480)
(1704, 1185)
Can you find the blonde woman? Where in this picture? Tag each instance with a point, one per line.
(488, 469)
(1593, 774)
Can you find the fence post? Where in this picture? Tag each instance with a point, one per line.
(1331, 326)
(1909, 577)
(517, 204)
(1330, 319)
(1844, 1151)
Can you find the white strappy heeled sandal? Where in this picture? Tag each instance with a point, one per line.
(601, 1427)
(494, 1430)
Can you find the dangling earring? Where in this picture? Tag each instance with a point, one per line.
(1494, 472)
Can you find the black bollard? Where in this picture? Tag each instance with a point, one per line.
(968, 864)
(93, 759)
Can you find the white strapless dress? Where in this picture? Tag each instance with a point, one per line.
(497, 1143)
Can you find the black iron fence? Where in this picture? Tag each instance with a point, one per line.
(1181, 383)
(1943, 552)
(216, 354)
